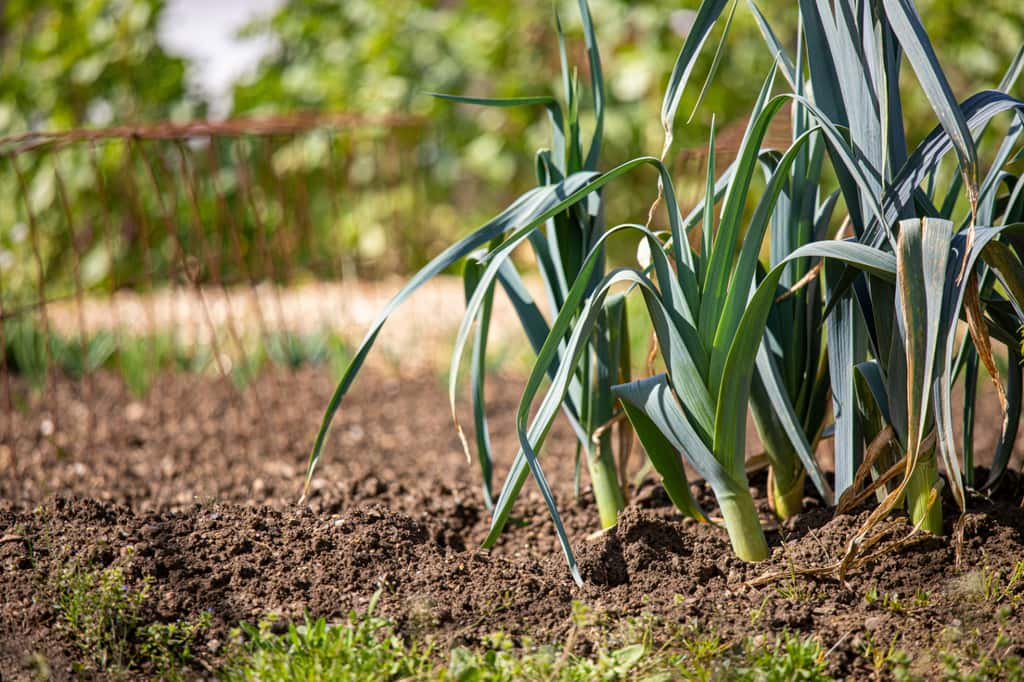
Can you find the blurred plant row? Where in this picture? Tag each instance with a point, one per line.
(36, 355)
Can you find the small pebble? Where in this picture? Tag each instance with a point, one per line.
(134, 412)
(873, 623)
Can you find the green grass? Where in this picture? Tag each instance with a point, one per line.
(167, 647)
(29, 351)
(100, 613)
(982, 667)
(791, 657)
(140, 358)
(368, 647)
(893, 601)
(364, 648)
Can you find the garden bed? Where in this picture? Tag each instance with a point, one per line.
(191, 491)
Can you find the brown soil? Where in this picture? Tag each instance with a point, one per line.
(200, 482)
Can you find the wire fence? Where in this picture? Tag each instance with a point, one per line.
(146, 246)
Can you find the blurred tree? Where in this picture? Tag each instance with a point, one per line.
(68, 63)
(976, 41)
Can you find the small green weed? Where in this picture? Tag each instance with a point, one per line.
(500, 662)
(995, 586)
(100, 612)
(692, 656)
(697, 656)
(892, 601)
(975, 665)
(167, 647)
(886, 659)
(366, 647)
(792, 588)
(790, 657)
(757, 613)
(103, 615)
(31, 352)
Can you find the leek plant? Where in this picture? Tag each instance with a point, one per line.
(696, 305)
(558, 251)
(709, 326)
(734, 332)
(789, 394)
(698, 407)
(894, 335)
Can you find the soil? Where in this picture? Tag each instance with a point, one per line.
(196, 485)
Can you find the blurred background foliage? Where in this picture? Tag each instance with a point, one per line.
(376, 200)
(70, 63)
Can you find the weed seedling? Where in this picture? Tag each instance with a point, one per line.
(167, 647)
(885, 659)
(756, 614)
(103, 615)
(366, 647)
(100, 612)
(791, 657)
(892, 601)
(992, 586)
(791, 589)
(976, 665)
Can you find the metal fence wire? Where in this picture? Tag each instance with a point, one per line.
(137, 246)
